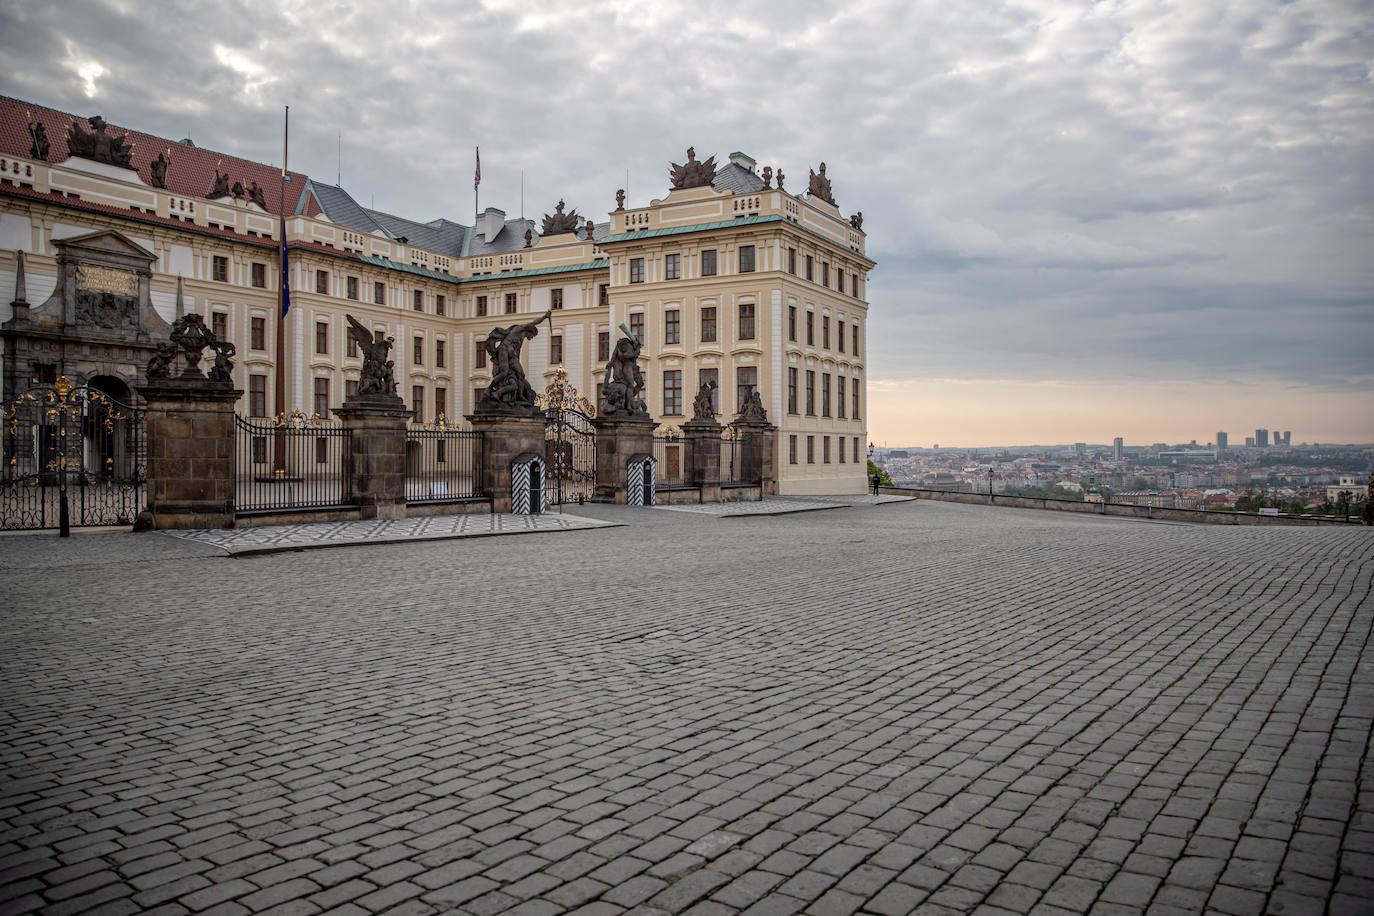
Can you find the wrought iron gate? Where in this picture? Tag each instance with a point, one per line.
(72, 456)
(569, 442)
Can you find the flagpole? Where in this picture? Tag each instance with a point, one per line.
(476, 181)
(283, 303)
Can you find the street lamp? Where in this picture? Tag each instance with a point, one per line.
(989, 486)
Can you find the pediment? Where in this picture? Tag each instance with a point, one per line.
(105, 241)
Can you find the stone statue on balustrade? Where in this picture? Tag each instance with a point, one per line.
(704, 404)
(622, 391)
(377, 381)
(753, 413)
(692, 174)
(189, 340)
(510, 392)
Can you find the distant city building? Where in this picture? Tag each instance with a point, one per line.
(1249, 441)
(1347, 484)
(1118, 448)
(1262, 437)
(1221, 442)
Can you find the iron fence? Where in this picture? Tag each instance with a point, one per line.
(292, 462)
(671, 454)
(734, 457)
(443, 463)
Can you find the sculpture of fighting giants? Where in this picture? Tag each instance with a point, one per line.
(378, 378)
(703, 405)
(509, 391)
(622, 391)
(752, 411)
(189, 340)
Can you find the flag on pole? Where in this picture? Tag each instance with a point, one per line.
(285, 292)
(285, 274)
(477, 175)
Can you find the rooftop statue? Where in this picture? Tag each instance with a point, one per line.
(767, 177)
(99, 146)
(257, 195)
(510, 391)
(621, 393)
(220, 187)
(693, 174)
(40, 146)
(857, 221)
(620, 199)
(157, 170)
(378, 378)
(820, 186)
(780, 179)
(560, 221)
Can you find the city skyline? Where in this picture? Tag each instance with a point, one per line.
(1088, 222)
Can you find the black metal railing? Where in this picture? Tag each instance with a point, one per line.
(671, 453)
(443, 463)
(292, 462)
(734, 457)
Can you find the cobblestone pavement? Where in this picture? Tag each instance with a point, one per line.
(238, 541)
(924, 708)
(785, 505)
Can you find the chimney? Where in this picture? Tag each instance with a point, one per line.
(490, 223)
(743, 161)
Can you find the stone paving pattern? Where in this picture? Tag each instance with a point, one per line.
(782, 505)
(335, 534)
(927, 708)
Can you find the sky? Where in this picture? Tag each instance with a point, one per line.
(1143, 219)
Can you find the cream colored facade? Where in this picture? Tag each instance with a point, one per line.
(430, 303)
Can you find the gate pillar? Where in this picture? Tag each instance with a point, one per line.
(505, 438)
(376, 472)
(190, 429)
(703, 453)
(760, 455)
(616, 442)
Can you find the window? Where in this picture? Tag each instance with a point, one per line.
(321, 450)
(510, 303)
(419, 350)
(839, 333)
(839, 402)
(792, 390)
(352, 347)
(825, 394)
(855, 444)
(810, 267)
(746, 321)
(672, 326)
(439, 305)
(672, 392)
(746, 259)
(603, 345)
(219, 325)
(711, 377)
(418, 301)
(257, 395)
(825, 449)
(792, 323)
(556, 348)
(746, 380)
(839, 445)
(322, 397)
(260, 276)
(322, 282)
(825, 332)
(259, 449)
(854, 291)
(221, 268)
(321, 337)
(351, 285)
(556, 297)
(792, 268)
(810, 392)
(379, 293)
(708, 262)
(417, 402)
(603, 295)
(257, 333)
(839, 279)
(478, 394)
(792, 449)
(637, 326)
(481, 306)
(45, 373)
(672, 267)
(481, 358)
(708, 324)
(350, 389)
(854, 400)
(438, 354)
(810, 449)
(810, 329)
(636, 270)
(440, 403)
(825, 274)
(855, 338)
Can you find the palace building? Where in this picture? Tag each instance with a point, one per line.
(734, 276)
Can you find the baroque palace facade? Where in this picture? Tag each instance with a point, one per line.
(729, 278)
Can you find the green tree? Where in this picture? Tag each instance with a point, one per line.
(884, 479)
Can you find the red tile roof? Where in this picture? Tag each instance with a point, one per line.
(191, 174)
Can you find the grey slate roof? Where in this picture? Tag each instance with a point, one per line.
(737, 179)
(341, 208)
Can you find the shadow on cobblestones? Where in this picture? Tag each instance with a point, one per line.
(931, 708)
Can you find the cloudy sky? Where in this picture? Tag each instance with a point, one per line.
(1151, 219)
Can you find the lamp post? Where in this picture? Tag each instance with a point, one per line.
(875, 469)
(989, 486)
